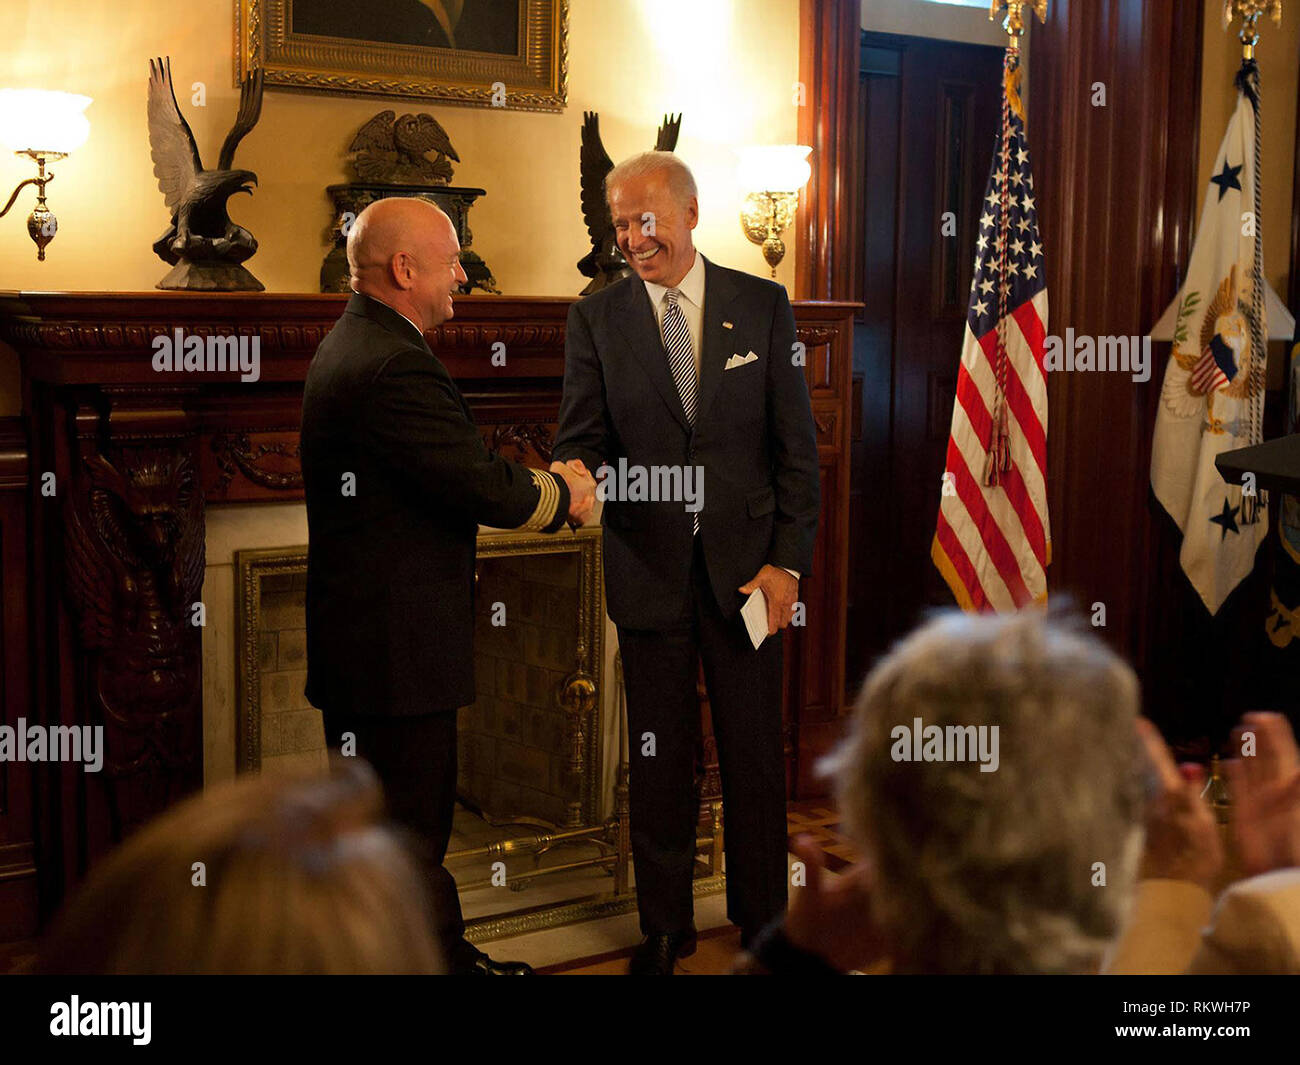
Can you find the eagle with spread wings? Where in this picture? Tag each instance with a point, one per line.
(202, 243)
(134, 554)
(605, 264)
(1221, 363)
(392, 150)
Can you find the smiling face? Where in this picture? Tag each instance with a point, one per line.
(439, 273)
(653, 229)
(405, 253)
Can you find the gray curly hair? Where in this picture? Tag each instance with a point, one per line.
(995, 872)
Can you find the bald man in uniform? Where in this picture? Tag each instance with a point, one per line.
(397, 481)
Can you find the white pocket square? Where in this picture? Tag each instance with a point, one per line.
(738, 360)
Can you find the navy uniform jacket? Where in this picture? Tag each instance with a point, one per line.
(390, 569)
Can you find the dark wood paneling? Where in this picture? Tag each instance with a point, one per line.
(1117, 192)
(930, 111)
(827, 223)
(18, 917)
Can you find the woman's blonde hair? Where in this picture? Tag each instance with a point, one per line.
(261, 874)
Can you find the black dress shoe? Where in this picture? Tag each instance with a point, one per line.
(658, 953)
(485, 966)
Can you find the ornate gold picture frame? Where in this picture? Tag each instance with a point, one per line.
(522, 66)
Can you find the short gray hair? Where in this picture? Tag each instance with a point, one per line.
(681, 182)
(994, 871)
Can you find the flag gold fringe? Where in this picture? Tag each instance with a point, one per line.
(959, 592)
(1011, 83)
(949, 574)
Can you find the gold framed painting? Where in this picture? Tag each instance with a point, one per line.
(487, 53)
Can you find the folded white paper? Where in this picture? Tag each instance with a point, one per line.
(755, 614)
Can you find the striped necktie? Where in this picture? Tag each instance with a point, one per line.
(681, 360)
(681, 355)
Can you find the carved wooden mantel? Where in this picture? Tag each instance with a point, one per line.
(116, 547)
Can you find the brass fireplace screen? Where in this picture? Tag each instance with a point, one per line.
(543, 768)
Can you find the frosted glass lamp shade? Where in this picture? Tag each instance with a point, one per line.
(36, 120)
(774, 168)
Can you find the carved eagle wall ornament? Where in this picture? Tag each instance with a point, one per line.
(605, 264)
(134, 554)
(202, 243)
(391, 150)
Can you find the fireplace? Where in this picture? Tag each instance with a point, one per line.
(541, 758)
(531, 746)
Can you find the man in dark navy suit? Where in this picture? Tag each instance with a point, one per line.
(397, 481)
(691, 367)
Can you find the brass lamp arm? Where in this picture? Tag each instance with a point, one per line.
(42, 182)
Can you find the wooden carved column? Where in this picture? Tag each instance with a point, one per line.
(827, 226)
(121, 571)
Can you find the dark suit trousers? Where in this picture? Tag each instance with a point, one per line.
(660, 670)
(415, 759)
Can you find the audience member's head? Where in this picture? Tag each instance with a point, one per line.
(298, 875)
(992, 778)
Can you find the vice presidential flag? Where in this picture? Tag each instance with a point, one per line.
(1212, 399)
(992, 543)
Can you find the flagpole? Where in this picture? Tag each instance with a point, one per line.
(1248, 81)
(992, 541)
(997, 460)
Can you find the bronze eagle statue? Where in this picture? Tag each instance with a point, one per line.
(605, 264)
(203, 245)
(392, 150)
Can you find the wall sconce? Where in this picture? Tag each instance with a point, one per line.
(43, 126)
(771, 176)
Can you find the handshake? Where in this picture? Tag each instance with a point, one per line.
(582, 489)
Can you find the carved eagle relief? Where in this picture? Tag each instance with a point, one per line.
(134, 551)
(392, 150)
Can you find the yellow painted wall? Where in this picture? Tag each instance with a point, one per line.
(728, 65)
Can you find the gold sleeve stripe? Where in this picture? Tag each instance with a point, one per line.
(548, 502)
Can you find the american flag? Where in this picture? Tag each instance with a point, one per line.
(992, 543)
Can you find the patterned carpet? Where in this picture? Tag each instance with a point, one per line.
(718, 946)
(816, 818)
